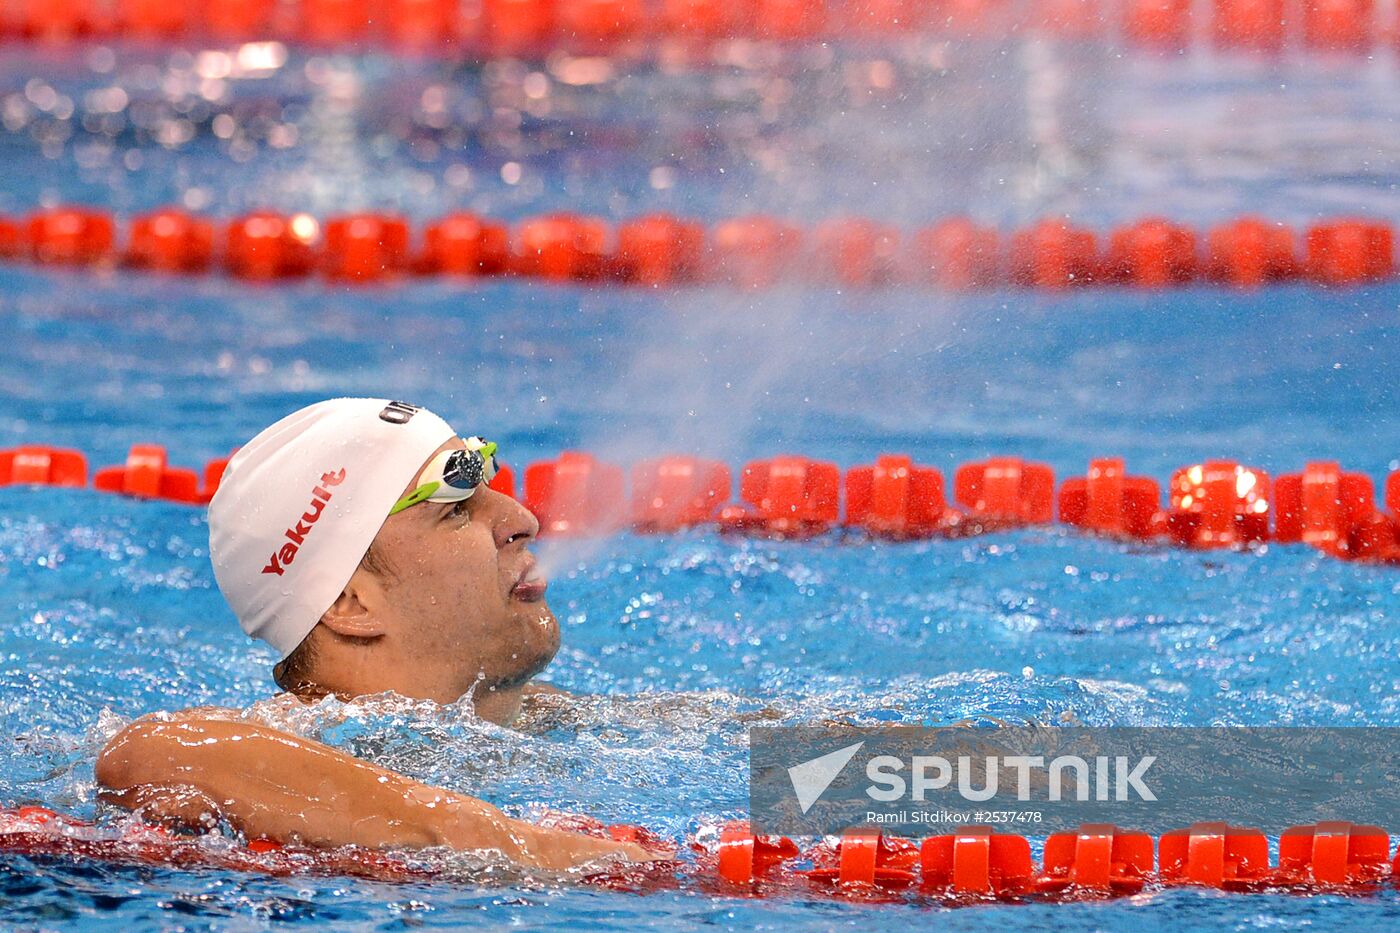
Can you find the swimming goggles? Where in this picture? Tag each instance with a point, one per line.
(453, 475)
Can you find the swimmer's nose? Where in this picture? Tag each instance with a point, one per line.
(517, 523)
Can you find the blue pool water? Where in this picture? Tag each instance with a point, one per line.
(108, 608)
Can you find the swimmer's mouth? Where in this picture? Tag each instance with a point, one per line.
(530, 587)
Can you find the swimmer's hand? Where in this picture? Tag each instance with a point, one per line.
(269, 784)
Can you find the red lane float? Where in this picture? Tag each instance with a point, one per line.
(857, 252)
(637, 835)
(1219, 504)
(1053, 255)
(660, 250)
(61, 20)
(705, 20)
(973, 19)
(1006, 492)
(978, 862)
(618, 832)
(597, 25)
(1249, 24)
(42, 466)
(1098, 860)
(755, 251)
(239, 22)
(1214, 855)
(1339, 24)
(956, 254)
(171, 241)
(465, 245)
(12, 240)
(1250, 252)
(518, 27)
(1334, 855)
(421, 25)
(213, 476)
(264, 246)
(1327, 509)
(1070, 19)
(146, 475)
(152, 19)
(672, 493)
(1347, 252)
(790, 497)
(562, 247)
(789, 20)
(71, 236)
(864, 858)
(1110, 502)
(744, 858)
(504, 481)
(880, 18)
(1152, 253)
(364, 247)
(897, 499)
(576, 495)
(333, 22)
(1158, 24)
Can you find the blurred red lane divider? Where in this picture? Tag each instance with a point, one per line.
(536, 28)
(754, 251)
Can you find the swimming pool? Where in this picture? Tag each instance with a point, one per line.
(110, 609)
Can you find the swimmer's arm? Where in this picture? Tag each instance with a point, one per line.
(273, 785)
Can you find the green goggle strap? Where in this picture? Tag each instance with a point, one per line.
(418, 495)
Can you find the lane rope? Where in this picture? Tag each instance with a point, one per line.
(1209, 505)
(977, 864)
(535, 28)
(753, 251)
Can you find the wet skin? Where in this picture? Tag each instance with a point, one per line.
(462, 608)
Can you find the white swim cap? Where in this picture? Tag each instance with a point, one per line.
(298, 507)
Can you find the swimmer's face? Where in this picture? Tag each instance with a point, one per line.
(463, 602)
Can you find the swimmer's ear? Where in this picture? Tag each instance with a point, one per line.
(353, 613)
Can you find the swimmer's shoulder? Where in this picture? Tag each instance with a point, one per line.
(192, 714)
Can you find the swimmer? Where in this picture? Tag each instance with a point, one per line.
(360, 539)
